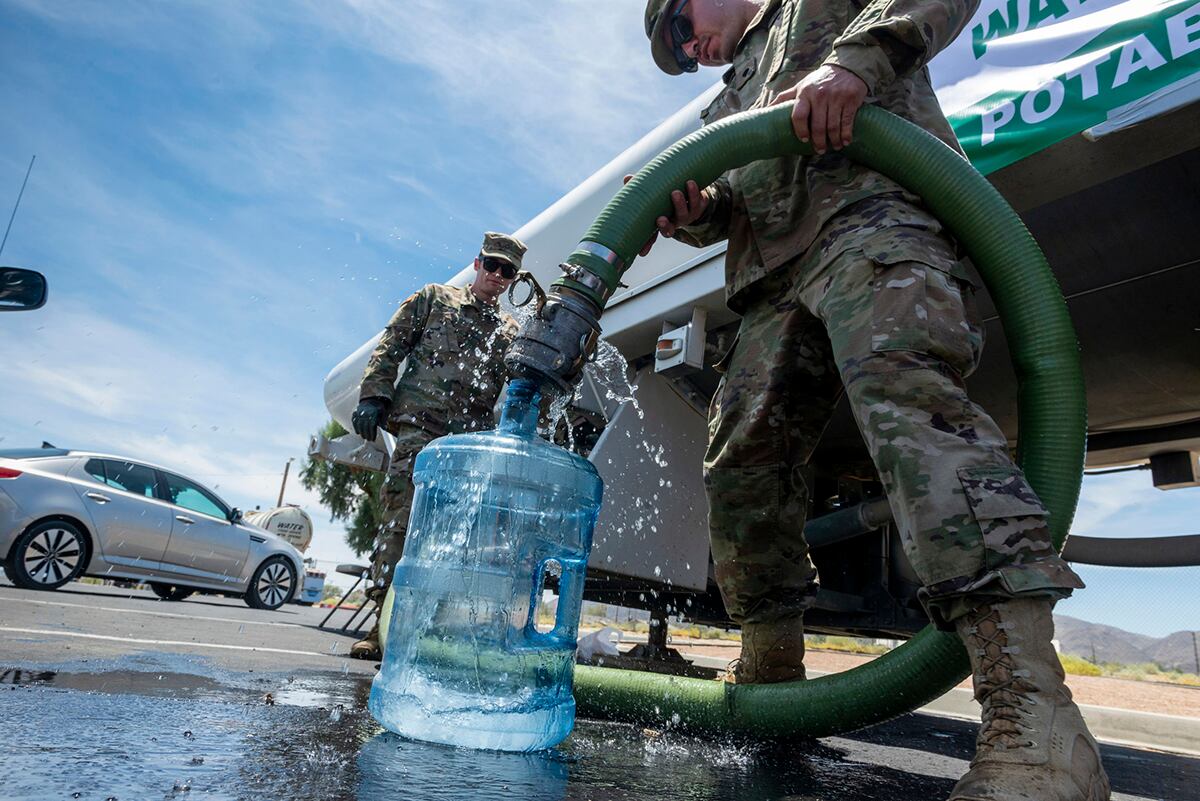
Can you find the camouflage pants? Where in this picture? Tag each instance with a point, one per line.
(396, 497)
(885, 322)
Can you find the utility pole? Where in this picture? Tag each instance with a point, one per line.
(284, 482)
(1196, 652)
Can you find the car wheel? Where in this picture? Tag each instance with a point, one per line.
(272, 584)
(47, 556)
(170, 592)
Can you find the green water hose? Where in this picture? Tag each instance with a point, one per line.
(1051, 408)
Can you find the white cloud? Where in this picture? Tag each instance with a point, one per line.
(560, 86)
(1100, 500)
(568, 84)
(172, 28)
(1128, 505)
(81, 369)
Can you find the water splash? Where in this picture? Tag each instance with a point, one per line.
(609, 373)
(608, 376)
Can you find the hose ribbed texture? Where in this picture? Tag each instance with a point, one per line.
(1052, 414)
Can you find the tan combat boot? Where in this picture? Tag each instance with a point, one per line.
(1033, 744)
(771, 652)
(368, 647)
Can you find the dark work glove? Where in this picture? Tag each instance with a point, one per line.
(367, 417)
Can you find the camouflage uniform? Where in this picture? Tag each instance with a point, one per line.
(454, 345)
(846, 283)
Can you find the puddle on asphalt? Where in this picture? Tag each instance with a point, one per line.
(171, 685)
(147, 734)
(311, 690)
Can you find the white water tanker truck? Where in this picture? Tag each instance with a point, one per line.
(1087, 124)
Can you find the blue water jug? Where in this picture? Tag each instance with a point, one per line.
(495, 516)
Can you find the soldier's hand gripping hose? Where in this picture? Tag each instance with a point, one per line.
(367, 417)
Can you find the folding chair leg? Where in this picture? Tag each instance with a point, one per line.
(374, 607)
(346, 628)
(341, 601)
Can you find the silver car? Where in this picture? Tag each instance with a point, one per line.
(66, 514)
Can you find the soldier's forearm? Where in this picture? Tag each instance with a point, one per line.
(382, 369)
(894, 38)
(376, 388)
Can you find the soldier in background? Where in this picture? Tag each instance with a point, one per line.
(846, 283)
(453, 339)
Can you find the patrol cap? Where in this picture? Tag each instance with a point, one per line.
(503, 246)
(658, 16)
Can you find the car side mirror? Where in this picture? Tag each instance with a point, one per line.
(21, 290)
(235, 516)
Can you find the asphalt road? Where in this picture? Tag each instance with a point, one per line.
(92, 621)
(112, 693)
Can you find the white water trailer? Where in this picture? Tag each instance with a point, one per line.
(294, 525)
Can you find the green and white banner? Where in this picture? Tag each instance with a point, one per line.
(1025, 74)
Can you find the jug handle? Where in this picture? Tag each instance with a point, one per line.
(557, 636)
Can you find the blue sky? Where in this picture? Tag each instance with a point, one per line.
(231, 197)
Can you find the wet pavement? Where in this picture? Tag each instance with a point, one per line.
(143, 721)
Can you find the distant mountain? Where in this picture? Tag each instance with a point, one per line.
(1111, 644)
(1177, 651)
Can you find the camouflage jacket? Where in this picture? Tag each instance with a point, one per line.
(454, 345)
(772, 210)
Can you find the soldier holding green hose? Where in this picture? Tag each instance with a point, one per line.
(847, 284)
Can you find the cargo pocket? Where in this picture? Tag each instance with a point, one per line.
(920, 306)
(1011, 517)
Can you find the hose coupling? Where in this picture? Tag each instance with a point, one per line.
(554, 344)
(585, 277)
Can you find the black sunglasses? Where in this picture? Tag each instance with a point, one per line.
(682, 33)
(506, 268)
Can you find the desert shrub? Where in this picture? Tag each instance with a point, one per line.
(1078, 666)
(851, 645)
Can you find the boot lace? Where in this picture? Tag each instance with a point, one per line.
(1000, 688)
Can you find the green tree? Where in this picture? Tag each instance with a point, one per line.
(351, 495)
